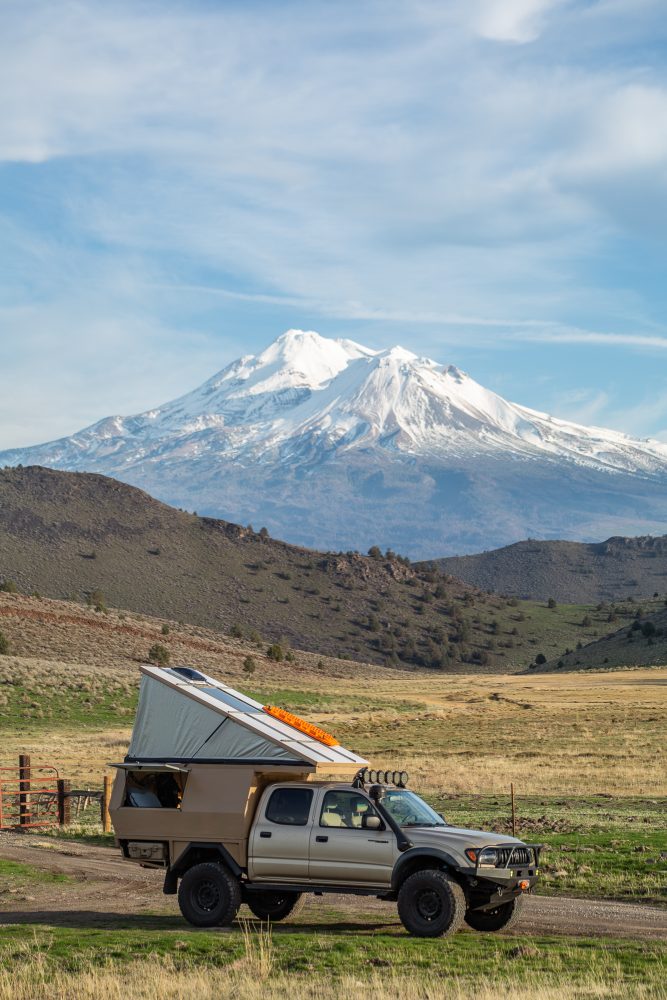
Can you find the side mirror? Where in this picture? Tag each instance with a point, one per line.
(371, 822)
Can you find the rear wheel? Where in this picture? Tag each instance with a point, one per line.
(209, 895)
(495, 920)
(274, 905)
(431, 904)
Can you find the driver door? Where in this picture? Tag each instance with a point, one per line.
(342, 849)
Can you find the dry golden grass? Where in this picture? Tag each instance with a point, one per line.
(153, 981)
(549, 734)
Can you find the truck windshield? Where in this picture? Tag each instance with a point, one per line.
(409, 810)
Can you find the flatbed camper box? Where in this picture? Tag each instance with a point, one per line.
(200, 756)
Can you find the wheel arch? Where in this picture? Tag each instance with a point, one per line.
(421, 858)
(195, 853)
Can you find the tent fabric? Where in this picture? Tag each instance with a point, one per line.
(171, 725)
(185, 715)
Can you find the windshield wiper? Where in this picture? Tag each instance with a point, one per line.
(423, 824)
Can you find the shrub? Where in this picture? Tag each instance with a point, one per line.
(276, 652)
(4, 644)
(374, 552)
(97, 601)
(236, 631)
(158, 654)
(540, 659)
(551, 603)
(586, 621)
(648, 629)
(165, 629)
(249, 665)
(9, 587)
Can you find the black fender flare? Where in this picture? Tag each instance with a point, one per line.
(186, 859)
(443, 860)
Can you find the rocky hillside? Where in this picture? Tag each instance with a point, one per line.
(568, 571)
(95, 541)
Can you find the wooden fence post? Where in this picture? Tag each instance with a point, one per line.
(24, 789)
(104, 802)
(513, 810)
(64, 802)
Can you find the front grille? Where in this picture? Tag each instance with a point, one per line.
(515, 856)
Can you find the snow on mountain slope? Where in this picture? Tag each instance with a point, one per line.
(308, 403)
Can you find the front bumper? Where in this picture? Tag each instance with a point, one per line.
(511, 879)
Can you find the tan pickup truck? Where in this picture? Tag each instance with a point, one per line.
(242, 828)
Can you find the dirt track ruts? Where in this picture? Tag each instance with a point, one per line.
(126, 887)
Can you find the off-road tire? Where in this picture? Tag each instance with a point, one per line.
(503, 916)
(209, 895)
(431, 904)
(274, 906)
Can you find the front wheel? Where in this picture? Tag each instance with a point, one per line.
(495, 920)
(209, 895)
(431, 904)
(274, 906)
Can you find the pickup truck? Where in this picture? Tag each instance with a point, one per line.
(224, 794)
(367, 839)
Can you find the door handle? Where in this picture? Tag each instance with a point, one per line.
(321, 840)
(377, 841)
(265, 833)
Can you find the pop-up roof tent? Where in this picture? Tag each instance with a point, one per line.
(186, 717)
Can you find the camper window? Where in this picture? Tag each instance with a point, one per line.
(154, 789)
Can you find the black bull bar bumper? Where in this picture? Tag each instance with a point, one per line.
(514, 871)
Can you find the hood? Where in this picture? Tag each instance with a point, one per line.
(456, 837)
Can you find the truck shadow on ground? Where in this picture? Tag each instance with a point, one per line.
(156, 922)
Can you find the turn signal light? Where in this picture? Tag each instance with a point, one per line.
(524, 884)
(471, 854)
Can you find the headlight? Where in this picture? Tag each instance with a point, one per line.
(489, 856)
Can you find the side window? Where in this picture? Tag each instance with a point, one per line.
(290, 806)
(345, 809)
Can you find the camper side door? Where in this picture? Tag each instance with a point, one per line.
(280, 837)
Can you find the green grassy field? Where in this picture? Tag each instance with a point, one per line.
(321, 960)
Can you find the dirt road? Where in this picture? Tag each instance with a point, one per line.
(104, 890)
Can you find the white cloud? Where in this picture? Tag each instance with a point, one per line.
(511, 20)
(636, 341)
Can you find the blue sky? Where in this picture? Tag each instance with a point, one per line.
(483, 182)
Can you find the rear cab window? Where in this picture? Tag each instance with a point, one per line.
(290, 806)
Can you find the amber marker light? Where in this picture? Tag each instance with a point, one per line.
(471, 854)
(304, 727)
(524, 884)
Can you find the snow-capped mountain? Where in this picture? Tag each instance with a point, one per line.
(334, 445)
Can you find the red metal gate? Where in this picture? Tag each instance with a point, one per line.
(29, 795)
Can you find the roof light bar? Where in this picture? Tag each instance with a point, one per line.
(371, 776)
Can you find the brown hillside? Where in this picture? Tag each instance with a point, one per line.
(70, 535)
(575, 572)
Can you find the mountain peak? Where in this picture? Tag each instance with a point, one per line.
(315, 416)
